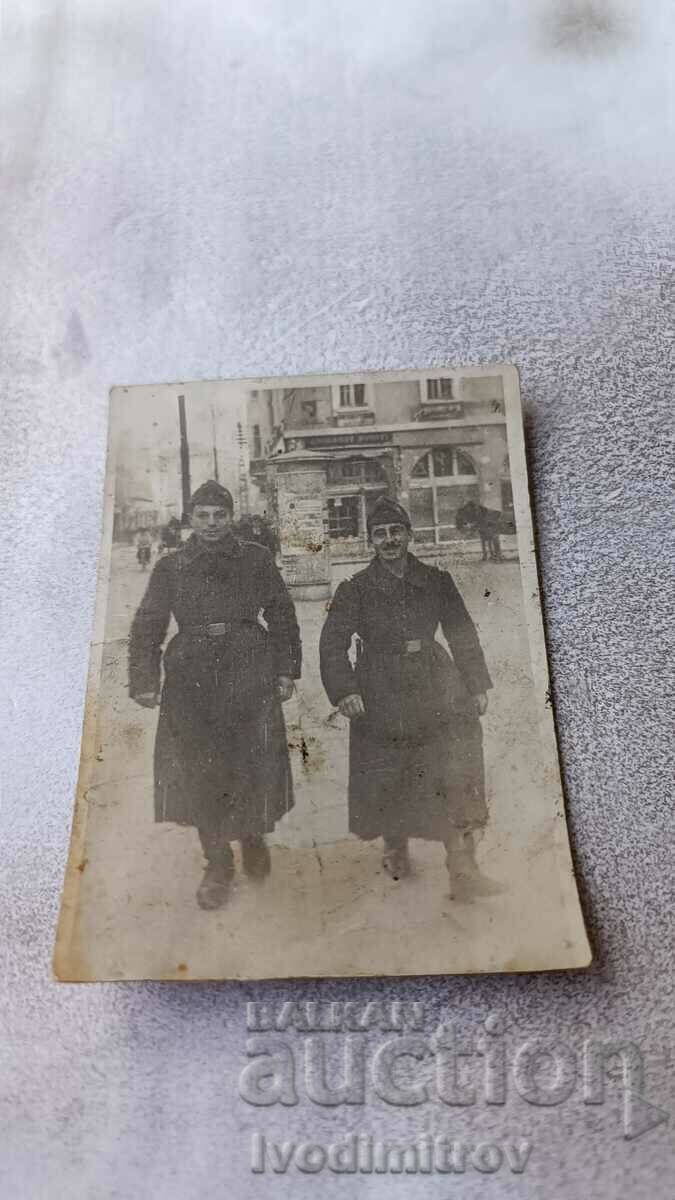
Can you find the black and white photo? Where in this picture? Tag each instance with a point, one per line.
(318, 735)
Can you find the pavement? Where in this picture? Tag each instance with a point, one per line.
(328, 908)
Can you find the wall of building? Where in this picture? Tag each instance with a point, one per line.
(475, 469)
(397, 401)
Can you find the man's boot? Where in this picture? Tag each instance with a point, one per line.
(396, 860)
(255, 857)
(214, 888)
(466, 880)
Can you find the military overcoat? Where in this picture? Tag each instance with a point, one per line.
(416, 756)
(221, 756)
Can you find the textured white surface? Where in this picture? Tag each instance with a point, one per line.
(206, 189)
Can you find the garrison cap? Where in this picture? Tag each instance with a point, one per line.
(212, 493)
(386, 511)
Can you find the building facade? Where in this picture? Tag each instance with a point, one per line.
(433, 443)
(145, 499)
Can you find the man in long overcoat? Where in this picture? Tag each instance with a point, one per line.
(221, 755)
(415, 745)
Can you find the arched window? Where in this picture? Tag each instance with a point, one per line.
(443, 462)
(441, 481)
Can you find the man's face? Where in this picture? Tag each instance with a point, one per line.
(390, 541)
(211, 522)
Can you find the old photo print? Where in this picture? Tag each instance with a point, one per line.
(318, 738)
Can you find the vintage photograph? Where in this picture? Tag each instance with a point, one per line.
(318, 735)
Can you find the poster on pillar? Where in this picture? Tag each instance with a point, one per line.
(318, 735)
(301, 499)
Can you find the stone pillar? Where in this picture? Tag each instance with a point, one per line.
(301, 498)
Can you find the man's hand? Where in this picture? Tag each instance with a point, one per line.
(286, 688)
(147, 699)
(482, 702)
(351, 706)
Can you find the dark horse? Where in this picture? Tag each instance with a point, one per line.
(488, 522)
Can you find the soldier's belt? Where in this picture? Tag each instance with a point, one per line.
(414, 646)
(216, 629)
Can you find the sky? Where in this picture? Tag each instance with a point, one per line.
(144, 433)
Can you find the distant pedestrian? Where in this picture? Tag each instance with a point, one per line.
(144, 547)
(254, 528)
(169, 536)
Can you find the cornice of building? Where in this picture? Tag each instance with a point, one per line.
(399, 427)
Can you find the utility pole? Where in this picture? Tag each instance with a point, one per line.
(215, 448)
(243, 471)
(184, 457)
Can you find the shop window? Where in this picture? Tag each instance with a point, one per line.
(374, 471)
(344, 516)
(421, 468)
(449, 500)
(422, 509)
(446, 471)
(447, 505)
(344, 470)
(463, 464)
(355, 470)
(352, 469)
(443, 460)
